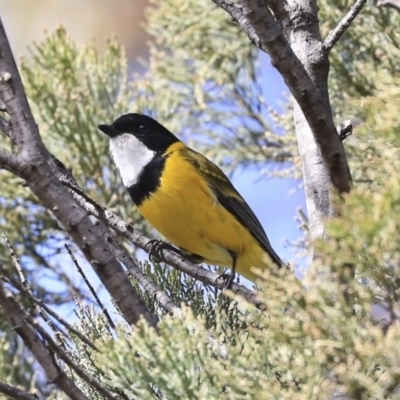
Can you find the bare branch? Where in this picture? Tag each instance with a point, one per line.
(94, 294)
(17, 319)
(262, 29)
(25, 284)
(16, 393)
(45, 185)
(92, 381)
(64, 278)
(343, 25)
(10, 279)
(389, 3)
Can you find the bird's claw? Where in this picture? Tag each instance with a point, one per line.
(228, 278)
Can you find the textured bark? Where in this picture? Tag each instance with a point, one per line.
(16, 393)
(344, 24)
(306, 43)
(17, 319)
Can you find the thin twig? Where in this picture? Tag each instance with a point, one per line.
(343, 25)
(49, 311)
(99, 302)
(63, 356)
(17, 318)
(25, 284)
(16, 393)
(76, 189)
(75, 292)
(395, 4)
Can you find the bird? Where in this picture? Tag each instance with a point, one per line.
(187, 198)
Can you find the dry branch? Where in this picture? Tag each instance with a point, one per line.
(344, 24)
(17, 319)
(265, 32)
(16, 393)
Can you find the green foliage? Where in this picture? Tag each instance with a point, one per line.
(73, 89)
(180, 288)
(204, 77)
(308, 345)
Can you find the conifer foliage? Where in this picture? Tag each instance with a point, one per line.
(171, 331)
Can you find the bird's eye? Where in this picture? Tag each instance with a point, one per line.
(142, 127)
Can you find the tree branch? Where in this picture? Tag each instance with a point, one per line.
(389, 3)
(16, 393)
(92, 291)
(91, 380)
(55, 197)
(17, 319)
(262, 29)
(10, 279)
(343, 25)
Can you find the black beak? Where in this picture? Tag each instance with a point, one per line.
(109, 130)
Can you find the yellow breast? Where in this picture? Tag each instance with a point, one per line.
(185, 210)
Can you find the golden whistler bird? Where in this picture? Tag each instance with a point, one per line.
(187, 198)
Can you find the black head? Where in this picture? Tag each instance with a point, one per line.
(155, 136)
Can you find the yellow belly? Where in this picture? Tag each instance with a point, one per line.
(185, 211)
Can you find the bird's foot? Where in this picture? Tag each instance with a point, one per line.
(156, 247)
(228, 278)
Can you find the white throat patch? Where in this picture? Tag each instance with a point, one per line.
(130, 156)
